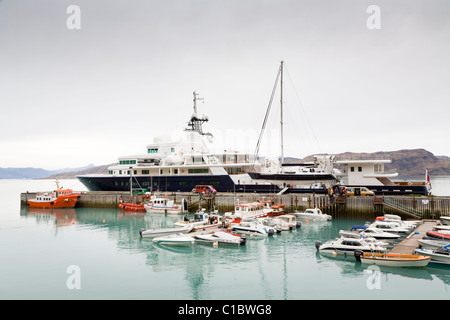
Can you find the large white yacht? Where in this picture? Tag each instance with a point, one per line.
(182, 163)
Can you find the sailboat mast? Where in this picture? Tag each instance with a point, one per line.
(281, 112)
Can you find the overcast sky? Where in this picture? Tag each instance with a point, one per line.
(70, 97)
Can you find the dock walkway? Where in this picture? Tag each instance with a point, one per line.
(410, 243)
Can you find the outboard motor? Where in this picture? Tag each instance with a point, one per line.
(270, 232)
(243, 240)
(318, 244)
(298, 224)
(358, 254)
(140, 231)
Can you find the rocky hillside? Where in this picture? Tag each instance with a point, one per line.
(405, 162)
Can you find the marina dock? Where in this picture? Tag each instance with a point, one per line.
(411, 207)
(408, 244)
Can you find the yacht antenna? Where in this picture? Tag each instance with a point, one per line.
(281, 112)
(195, 123)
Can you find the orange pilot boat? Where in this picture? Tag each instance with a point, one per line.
(59, 198)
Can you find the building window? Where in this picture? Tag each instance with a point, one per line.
(352, 169)
(198, 170)
(152, 150)
(172, 149)
(359, 169)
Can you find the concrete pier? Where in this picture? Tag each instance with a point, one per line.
(410, 243)
(409, 207)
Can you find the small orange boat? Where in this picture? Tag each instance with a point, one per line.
(130, 206)
(59, 198)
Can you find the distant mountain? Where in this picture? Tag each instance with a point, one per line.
(405, 162)
(35, 173)
(73, 173)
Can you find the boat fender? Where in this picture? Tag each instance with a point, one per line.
(140, 231)
(358, 254)
(318, 244)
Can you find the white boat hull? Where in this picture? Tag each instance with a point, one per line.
(445, 220)
(152, 233)
(164, 210)
(396, 262)
(435, 257)
(175, 240)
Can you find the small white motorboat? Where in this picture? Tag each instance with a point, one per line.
(158, 232)
(221, 237)
(432, 244)
(163, 205)
(388, 227)
(440, 228)
(253, 228)
(201, 220)
(392, 259)
(357, 235)
(440, 255)
(313, 214)
(373, 232)
(347, 245)
(445, 220)
(178, 239)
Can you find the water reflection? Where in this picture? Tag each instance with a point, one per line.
(265, 268)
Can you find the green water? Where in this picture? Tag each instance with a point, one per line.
(40, 250)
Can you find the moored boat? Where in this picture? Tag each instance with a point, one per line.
(221, 237)
(201, 220)
(157, 232)
(313, 214)
(445, 220)
(347, 245)
(131, 206)
(432, 244)
(439, 255)
(438, 235)
(163, 205)
(253, 228)
(59, 198)
(177, 239)
(375, 232)
(392, 259)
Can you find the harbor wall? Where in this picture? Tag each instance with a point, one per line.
(358, 207)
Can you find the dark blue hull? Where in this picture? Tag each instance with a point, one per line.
(222, 183)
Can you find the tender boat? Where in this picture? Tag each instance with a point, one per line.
(392, 259)
(59, 198)
(177, 239)
(441, 228)
(131, 206)
(440, 255)
(375, 232)
(163, 205)
(409, 224)
(313, 214)
(388, 226)
(357, 235)
(347, 245)
(221, 237)
(438, 235)
(445, 220)
(254, 228)
(272, 210)
(157, 232)
(289, 221)
(432, 244)
(201, 220)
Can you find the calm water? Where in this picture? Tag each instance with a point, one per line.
(38, 250)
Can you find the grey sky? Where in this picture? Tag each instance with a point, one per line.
(73, 97)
